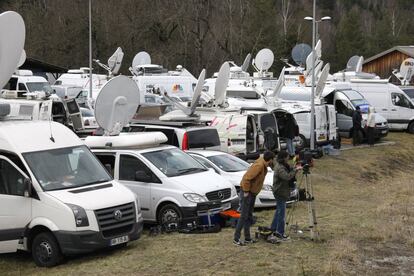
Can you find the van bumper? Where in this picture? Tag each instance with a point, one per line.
(191, 213)
(380, 132)
(78, 242)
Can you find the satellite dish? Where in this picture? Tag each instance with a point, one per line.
(140, 59)
(279, 85)
(12, 36)
(318, 53)
(116, 104)
(246, 63)
(352, 63)
(300, 52)
(264, 59)
(22, 59)
(197, 91)
(359, 64)
(222, 82)
(407, 70)
(320, 85)
(114, 62)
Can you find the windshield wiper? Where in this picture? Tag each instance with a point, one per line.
(96, 182)
(190, 170)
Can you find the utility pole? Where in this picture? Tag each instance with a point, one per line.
(90, 50)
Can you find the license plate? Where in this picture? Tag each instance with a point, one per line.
(226, 206)
(119, 240)
(384, 131)
(321, 137)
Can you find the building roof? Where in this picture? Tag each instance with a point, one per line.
(408, 50)
(38, 65)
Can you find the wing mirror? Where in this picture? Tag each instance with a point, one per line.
(142, 176)
(27, 187)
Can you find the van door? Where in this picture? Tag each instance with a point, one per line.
(344, 114)
(45, 112)
(268, 127)
(402, 110)
(75, 115)
(135, 175)
(332, 129)
(321, 124)
(15, 206)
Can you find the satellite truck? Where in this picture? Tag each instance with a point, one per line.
(174, 189)
(56, 199)
(388, 99)
(404, 75)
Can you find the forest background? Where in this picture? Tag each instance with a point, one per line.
(204, 33)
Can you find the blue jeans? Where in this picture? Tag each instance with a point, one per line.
(278, 223)
(246, 216)
(290, 146)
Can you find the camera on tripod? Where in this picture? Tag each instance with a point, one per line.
(305, 160)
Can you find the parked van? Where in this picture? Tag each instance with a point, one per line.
(389, 101)
(67, 91)
(184, 135)
(56, 198)
(170, 183)
(24, 81)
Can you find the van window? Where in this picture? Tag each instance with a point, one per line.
(399, 99)
(12, 84)
(343, 107)
(11, 180)
(22, 87)
(204, 162)
(129, 165)
(203, 138)
(243, 94)
(108, 160)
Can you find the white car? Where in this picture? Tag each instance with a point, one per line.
(233, 169)
(170, 184)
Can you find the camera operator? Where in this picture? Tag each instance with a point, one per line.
(283, 178)
(251, 184)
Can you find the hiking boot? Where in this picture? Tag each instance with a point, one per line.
(247, 241)
(238, 243)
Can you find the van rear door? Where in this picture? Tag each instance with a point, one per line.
(203, 138)
(268, 126)
(331, 117)
(15, 206)
(321, 124)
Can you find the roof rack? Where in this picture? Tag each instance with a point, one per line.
(169, 123)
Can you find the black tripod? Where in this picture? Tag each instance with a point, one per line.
(308, 197)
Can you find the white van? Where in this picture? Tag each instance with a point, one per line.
(24, 81)
(56, 198)
(170, 184)
(389, 101)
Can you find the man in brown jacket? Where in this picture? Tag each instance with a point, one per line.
(251, 184)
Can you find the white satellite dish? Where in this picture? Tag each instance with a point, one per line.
(184, 113)
(222, 82)
(116, 104)
(22, 59)
(318, 55)
(264, 59)
(279, 85)
(407, 70)
(359, 64)
(115, 61)
(300, 52)
(140, 59)
(246, 63)
(352, 63)
(320, 85)
(12, 36)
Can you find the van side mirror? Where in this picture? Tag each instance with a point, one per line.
(142, 176)
(27, 187)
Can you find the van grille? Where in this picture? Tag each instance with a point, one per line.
(112, 226)
(219, 195)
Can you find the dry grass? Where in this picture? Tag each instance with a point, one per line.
(365, 210)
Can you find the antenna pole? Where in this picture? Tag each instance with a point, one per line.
(312, 136)
(90, 50)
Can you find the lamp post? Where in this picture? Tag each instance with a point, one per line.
(90, 50)
(314, 35)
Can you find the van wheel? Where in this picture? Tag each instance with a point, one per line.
(411, 128)
(169, 214)
(45, 250)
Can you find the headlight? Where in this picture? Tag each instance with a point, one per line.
(196, 198)
(138, 205)
(81, 219)
(233, 191)
(267, 188)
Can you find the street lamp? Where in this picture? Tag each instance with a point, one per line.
(314, 36)
(90, 50)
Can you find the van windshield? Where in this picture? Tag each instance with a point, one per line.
(174, 162)
(66, 168)
(39, 86)
(229, 163)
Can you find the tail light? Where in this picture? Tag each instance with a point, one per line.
(86, 123)
(184, 145)
(228, 142)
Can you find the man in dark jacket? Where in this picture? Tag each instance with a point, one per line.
(290, 131)
(250, 186)
(282, 184)
(356, 126)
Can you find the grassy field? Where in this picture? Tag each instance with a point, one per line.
(365, 210)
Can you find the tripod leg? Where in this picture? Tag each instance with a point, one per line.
(311, 210)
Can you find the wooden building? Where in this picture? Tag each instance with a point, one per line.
(385, 62)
